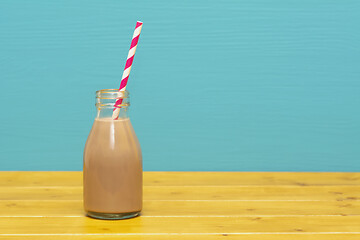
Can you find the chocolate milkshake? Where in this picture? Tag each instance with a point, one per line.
(112, 165)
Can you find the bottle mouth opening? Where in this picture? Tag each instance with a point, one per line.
(111, 94)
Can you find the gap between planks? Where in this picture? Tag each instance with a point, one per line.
(223, 236)
(201, 216)
(174, 234)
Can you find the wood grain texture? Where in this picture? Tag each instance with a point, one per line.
(166, 225)
(74, 208)
(295, 193)
(58, 178)
(266, 206)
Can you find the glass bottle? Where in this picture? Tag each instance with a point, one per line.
(112, 170)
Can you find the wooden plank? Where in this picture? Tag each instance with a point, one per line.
(296, 193)
(53, 178)
(189, 178)
(189, 208)
(272, 236)
(250, 178)
(163, 225)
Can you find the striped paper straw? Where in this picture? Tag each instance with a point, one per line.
(127, 69)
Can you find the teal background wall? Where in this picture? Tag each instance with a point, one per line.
(247, 85)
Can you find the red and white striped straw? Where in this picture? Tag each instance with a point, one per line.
(127, 69)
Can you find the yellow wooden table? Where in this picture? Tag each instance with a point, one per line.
(188, 205)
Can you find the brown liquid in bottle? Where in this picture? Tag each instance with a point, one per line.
(112, 170)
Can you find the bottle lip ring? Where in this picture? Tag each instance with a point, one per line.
(111, 94)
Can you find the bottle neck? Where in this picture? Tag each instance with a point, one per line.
(109, 113)
(112, 104)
